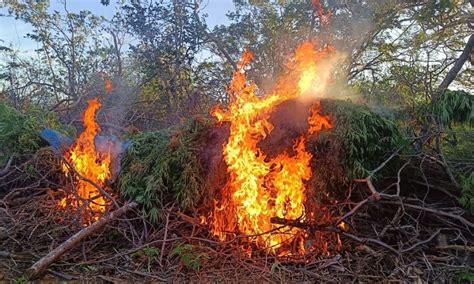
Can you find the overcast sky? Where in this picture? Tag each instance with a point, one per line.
(13, 32)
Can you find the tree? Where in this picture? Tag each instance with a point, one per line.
(169, 39)
(70, 53)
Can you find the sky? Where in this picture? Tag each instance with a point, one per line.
(13, 32)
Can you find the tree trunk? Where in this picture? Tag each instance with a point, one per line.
(453, 72)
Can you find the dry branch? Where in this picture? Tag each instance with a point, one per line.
(7, 166)
(456, 247)
(99, 188)
(329, 228)
(375, 193)
(41, 265)
(305, 226)
(461, 219)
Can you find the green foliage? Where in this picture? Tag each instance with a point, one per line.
(188, 256)
(465, 276)
(164, 166)
(70, 51)
(458, 143)
(367, 136)
(19, 132)
(455, 107)
(467, 192)
(22, 279)
(151, 254)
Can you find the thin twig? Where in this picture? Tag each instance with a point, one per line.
(164, 238)
(7, 166)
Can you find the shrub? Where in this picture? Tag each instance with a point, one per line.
(189, 256)
(164, 166)
(19, 132)
(467, 192)
(368, 138)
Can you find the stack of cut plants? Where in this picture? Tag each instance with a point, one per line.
(290, 186)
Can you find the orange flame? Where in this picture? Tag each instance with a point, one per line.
(108, 85)
(90, 165)
(258, 187)
(317, 121)
(323, 17)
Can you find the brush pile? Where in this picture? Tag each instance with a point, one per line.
(400, 210)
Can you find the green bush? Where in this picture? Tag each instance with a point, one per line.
(189, 256)
(368, 138)
(467, 192)
(164, 166)
(19, 132)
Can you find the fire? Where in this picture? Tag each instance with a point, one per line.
(323, 16)
(108, 85)
(259, 187)
(317, 121)
(90, 165)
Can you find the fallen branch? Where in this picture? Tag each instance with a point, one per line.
(16, 257)
(461, 219)
(164, 239)
(422, 242)
(41, 265)
(7, 166)
(353, 210)
(305, 226)
(99, 188)
(330, 228)
(368, 181)
(456, 247)
(370, 240)
(375, 196)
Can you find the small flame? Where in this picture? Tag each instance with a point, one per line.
(343, 226)
(318, 121)
(108, 85)
(90, 165)
(258, 187)
(324, 17)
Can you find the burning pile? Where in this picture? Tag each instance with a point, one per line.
(91, 169)
(260, 187)
(252, 177)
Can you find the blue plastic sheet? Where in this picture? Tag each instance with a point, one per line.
(57, 140)
(103, 144)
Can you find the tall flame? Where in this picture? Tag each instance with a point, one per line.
(259, 187)
(90, 165)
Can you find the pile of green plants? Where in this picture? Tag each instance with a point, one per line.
(367, 137)
(163, 167)
(19, 132)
